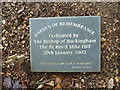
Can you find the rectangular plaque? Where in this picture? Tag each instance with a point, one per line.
(65, 44)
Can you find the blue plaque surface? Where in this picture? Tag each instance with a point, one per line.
(65, 44)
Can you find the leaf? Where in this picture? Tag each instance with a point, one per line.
(10, 61)
(20, 59)
(58, 86)
(58, 80)
(13, 57)
(40, 86)
(51, 83)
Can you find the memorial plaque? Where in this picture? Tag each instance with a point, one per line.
(65, 44)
